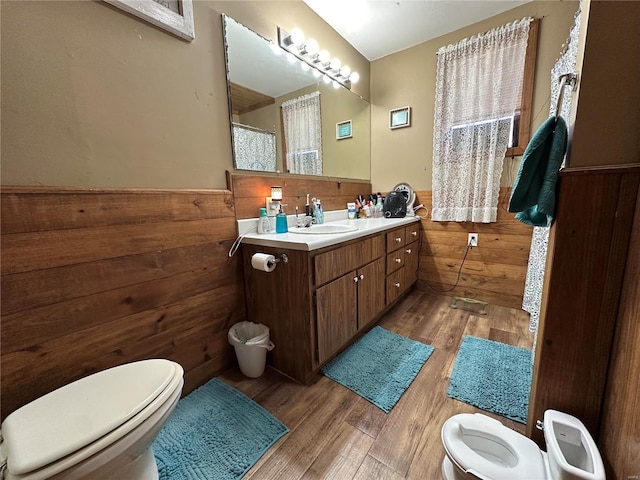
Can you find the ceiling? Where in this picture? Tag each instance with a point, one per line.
(377, 28)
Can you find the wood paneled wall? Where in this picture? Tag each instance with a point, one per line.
(95, 278)
(493, 272)
(586, 263)
(620, 428)
(250, 189)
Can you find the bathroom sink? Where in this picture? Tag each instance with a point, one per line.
(324, 229)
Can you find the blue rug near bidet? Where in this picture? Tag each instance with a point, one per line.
(493, 376)
(379, 367)
(215, 432)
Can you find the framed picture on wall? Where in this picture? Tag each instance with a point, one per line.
(175, 16)
(400, 117)
(343, 130)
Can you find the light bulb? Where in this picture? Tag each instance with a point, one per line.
(335, 64)
(354, 77)
(291, 57)
(336, 85)
(324, 56)
(305, 66)
(345, 71)
(297, 37)
(326, 79)
(316, 72)
(312, 47)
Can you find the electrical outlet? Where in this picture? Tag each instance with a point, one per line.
(473, 240)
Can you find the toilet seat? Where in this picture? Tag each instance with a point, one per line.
(91, 414)
(492, 443)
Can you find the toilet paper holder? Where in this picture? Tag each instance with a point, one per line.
(281, 258)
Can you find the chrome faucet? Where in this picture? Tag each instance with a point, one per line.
(305, 221)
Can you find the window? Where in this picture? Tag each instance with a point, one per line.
(301, 122)
(484, 87)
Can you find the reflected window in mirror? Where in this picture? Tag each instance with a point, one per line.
(302, 126)
(255, 149)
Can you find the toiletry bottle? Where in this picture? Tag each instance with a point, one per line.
(351, 210)
(264, 225)
(281, 222)
(318, 213)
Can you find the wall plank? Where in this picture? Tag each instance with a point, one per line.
(249, 191)
(620, 427)
(493, 272)
(96, 278)
(588, 252)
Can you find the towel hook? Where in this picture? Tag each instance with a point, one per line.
(564, 80)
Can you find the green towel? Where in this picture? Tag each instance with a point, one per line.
(534, 190)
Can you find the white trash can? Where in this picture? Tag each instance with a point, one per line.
(251, 342)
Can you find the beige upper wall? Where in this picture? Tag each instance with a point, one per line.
(94, 97)
(408, 78)
(607, 113)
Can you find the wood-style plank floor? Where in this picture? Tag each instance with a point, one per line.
(335, 434)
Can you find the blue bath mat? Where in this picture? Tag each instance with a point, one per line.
(215, 432)
(379, 367)
(492, 376)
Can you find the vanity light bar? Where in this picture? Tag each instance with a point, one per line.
(311, 54)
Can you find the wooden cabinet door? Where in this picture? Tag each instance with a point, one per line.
(336, 305)
(371, 290)
(410, 264)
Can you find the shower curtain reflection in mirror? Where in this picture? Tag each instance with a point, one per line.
(254, 149)
(302, 125)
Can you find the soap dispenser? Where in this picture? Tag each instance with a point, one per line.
(281, 222)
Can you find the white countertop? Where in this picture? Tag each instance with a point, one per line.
(297, 241)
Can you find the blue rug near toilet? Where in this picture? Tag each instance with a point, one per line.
(379, 367)
(493, 376)
(215, 432)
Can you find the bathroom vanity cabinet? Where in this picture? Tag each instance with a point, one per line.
(321, 300)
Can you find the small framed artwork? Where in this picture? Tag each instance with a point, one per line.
(343, 130)
(400, 117)
(175, 16)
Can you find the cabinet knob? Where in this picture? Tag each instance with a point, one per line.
(408, 250)
(415, 234)
(355, 279)
(397, 285)
(398, 260)
(362, 276)
(398, 239)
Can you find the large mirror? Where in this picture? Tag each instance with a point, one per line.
(286, 119)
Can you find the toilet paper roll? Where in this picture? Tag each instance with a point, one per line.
(263, 262)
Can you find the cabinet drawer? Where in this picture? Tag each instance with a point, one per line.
(395, 260)
(411, 232)
(395, 285)
(395, 239)
(334, 263)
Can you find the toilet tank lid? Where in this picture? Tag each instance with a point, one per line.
(75, 415)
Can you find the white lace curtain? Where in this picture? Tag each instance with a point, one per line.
(478, 95)
(567, 62)
(302, 134)
(254, 149)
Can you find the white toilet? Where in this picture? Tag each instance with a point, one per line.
(479, 447)
(98, 427)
